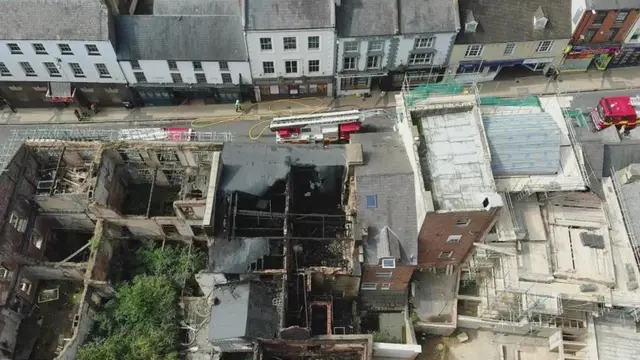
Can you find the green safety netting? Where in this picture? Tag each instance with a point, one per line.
(422, 92)
(577, 116)
(498, 101)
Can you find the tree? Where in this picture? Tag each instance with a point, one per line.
(139, 323)
(179, 263)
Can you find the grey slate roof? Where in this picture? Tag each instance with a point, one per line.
(531, 148)
(244, 311)
(388, 175)
(197, 7)
(54, 20)
(235, 256)
(502, 21)
(367, 18)
(186, 38)
(428, 16)
(289, 14)
(612, 4)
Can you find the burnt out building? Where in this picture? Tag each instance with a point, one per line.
(336, 347)
(285, 215)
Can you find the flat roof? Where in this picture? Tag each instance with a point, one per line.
(457, 159)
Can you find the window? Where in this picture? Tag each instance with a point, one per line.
(170, 229)
(28, 70)
(621, 16)
(372, 201)
(177, 78)
(385, 286)
(389, 263)
(446, 254)
(589, 35)
(420, 59)
(314, 66)
(473, 51)
(454, 238)
(265, 44)
(463, 222)
(103, 71)
(313, 42)
(600, 16)
(25, 286)
(369, 286)
(4, 70)
(267, 67)
(65, 49)
(350, 46)
(544, 46)
(373, 62)
(376, 45)
(76, 69)
(289, 43)
(52, 69)
(139, 75)
(349, 63)
(39, 49)
(610, 34)
(172, 65)
(384, 274)
(226, 79)
(92, 49)
(509, 49)
(135, 64)
(201, 79)
(14, 48)
(37, 240)
(18, 222)
(423, 43)
(4, 272)
(291, 66)
(223, 65)
(197, 65)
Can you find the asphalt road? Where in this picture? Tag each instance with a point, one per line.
(588, 100)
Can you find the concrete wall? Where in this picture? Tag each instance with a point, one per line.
(438, 226)
(80, 56)
(326, 53)
(387, 351)
(158, 72)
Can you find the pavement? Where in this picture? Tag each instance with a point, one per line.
(206, 116)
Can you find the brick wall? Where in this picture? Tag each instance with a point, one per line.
(586, 24)
(437, 229)
(399, 280)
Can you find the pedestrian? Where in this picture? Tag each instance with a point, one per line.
(238, 108)
(77, 114)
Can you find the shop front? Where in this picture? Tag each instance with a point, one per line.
(63, 94)
(482, 70)
(282, 88)
(189, 94)
(626, 57)
(580, 58)
(361, 83)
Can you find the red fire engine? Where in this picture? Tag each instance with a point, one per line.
(325, 128)
(618, 111)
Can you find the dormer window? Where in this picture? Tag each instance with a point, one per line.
(539, 19)
(470, 23)
(389, 263)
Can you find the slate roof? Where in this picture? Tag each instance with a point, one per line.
(388, 175)
(244, 311)
(289, 14)
(367, 18)
(502, 21)
(197, 7)
(54, 20)
(428, 16)
(184, 38)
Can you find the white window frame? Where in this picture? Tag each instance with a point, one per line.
(388, 266)
(4, 272)
(463, 222)
(309, 42)
(474, 50)
(273, 67)
(351, 46)
(620, 20)
(375, 45)
(545, 46)
(268, 43)
(309, 66)
(65, 49)
(140, 77)
(223, 65)
(18, 222)
(25, 286)
(413, 59)
(4, 70)
(385, 286)
(377, 61)
(445, 255)
(135, 65)
(39, 49)
(424, 43)
(52, 70)
(27, 68)
(14, 49)
(454, 238)
(102, 66)
(368, 286)
(292, 62)
(92, 49)
(228, 76)
(384, 274)
(352, 60)
(201, 78)
(78, 75)
(284, 43)
(197, 66)
(509, 49)
(37, 240)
